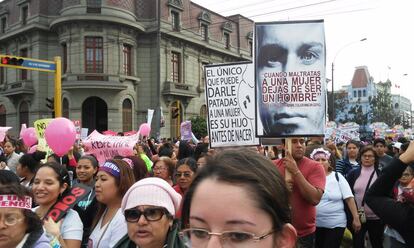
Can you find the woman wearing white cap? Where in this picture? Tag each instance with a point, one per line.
(149, 207)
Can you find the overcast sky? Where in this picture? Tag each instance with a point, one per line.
(386, 24)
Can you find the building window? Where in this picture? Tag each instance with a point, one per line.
(93, 54)
(2, 75)
(359, 93)
(64, 57)
(204, 31)
(3, 25)
(175, 63)
(23, 73)
(24, 113)
(226, 37)
(65, 108)
(203, 111)
(126, 115)
(3, 118)
(175, 20)
(203, 76)
(355, 93)
(364, 93)
(127, 50)
(25, 14)
(93, 6)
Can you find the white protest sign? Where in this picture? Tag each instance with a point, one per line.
(150, 115)
(84, 133)
(106, 147)
(230, 100)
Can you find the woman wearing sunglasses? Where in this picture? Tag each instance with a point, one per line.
(149, 208)
(238, 199)
(186, 168)
(112, 181)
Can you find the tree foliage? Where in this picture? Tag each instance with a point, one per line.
(341, 105)
(357, 114)
(199, 126)
(381, 108)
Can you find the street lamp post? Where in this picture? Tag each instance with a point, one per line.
(332, 67)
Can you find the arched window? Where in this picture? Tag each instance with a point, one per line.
(65, 108)
(3, 112)
(126, 115)
(24, 114)
(203, 111)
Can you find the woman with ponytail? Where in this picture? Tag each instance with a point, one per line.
(27, 167)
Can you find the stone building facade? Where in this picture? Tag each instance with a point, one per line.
(119, 59)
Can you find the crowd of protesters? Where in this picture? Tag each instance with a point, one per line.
(184, 194)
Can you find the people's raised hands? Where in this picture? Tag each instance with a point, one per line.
(408, 156)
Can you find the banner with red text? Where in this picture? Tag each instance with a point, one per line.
(230, 104)
(105, 147)
(290, 78)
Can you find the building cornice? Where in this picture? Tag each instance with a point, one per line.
(99, 18)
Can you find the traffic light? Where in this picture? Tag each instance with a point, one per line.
(175, 112)
(10, 60)
(50, 104)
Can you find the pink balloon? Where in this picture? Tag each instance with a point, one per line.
(32, 149)
(29, 136)
(144, 129)
(60, 135)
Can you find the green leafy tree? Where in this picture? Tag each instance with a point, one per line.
(381, 106)
(199, 126)
(357, 115)
(341, 104)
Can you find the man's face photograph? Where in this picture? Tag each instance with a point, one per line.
(288, 53)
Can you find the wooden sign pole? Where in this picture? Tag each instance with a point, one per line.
(288, 147)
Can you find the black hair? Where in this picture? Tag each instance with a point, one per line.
(8, 177)
(139, 167)
(151, 147)
(190, 162)
(403, 140)
(184, 150)
(405, 146)
(199, 149)
(166, 150)
(380, 140)
(356, 143)
(92, 159)
(55, 157)
(12, 142)
(249, 170)
(32, 161)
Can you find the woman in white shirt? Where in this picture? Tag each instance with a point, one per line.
(114, 178)
(330, 213)
(51, 181)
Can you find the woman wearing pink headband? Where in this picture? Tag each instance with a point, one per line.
(19, 225)
(331, 219)
(114, 178)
